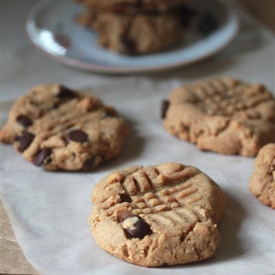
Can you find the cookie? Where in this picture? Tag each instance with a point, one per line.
(58, 128)
(132, 5)
(223, 115)
(140, 34)
(262, 182)
(159, 215)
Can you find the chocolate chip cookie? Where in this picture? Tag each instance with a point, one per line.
(159, 215)
(223, 115)
(58, 128)
(137, 27)
(140, 34)
(262, 182)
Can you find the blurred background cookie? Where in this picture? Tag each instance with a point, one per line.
(223, 115)
(262, 182)
(137, 27)
(139, 34)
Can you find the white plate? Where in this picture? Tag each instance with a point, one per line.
(52, 28)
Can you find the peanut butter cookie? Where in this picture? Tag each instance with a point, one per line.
(159, 215)
(139, 34)
(262, 182)
(223, 115)
(58, 128)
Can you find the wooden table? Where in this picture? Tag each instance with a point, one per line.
(264, 11)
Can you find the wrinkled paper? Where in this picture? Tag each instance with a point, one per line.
(49, 211)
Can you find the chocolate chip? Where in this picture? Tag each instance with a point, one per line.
(63, 40)
(207, 24)
(24, 121)
(41, 156)
(77, 136)
(125, 198)
(135, 227)
(186, 14)
(25, 140)
(164, 108)
(65, 92)
(136, 4)
(110, 112)
(89, 164)
(139, 3)
(16, 138)
(129, 46)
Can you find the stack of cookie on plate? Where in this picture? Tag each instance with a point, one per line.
(137, 27)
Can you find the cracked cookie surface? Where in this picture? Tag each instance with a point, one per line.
(158, 215)
(223, 115)
(262, 182)
(58, 128)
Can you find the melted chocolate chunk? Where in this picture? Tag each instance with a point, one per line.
(25, 140)
(136, 227)
(125, 198)
(140, 3)
(164, 108)
(63, 40)
(24, 121)
(65, 93)
(129, 45)
(41, 156)
(89, 164)
(110, 112)
(207, 24)
(77, 136)
(186, 15)
(136, 4)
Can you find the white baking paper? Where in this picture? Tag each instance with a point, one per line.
(49, 211)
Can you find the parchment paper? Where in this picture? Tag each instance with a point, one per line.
(49, 211)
